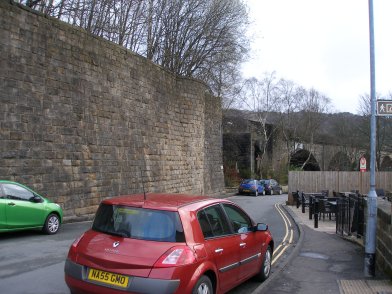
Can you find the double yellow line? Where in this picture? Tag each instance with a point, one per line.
(288, 237)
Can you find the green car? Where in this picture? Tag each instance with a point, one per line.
(21, 208)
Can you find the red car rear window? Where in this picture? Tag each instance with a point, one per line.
(139, 223)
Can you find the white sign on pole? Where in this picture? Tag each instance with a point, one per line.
(384, 107)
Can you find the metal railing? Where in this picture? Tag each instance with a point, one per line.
(348, 210)
(350, 216)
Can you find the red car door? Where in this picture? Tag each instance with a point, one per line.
(250, 254)
(249, 242)
(226, 254)
(221, 244)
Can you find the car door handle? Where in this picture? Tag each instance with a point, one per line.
(242, 245)
(218, 250)
(11, 204)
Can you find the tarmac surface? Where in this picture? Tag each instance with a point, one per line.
(323, 262)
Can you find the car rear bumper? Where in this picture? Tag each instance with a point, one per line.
(76, 279)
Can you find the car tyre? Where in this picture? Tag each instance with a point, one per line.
(280, 192)
(203, 286)
(52, 224)
(263, 192)
(265, 269)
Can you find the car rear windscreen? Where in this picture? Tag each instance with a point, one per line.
(139, 223)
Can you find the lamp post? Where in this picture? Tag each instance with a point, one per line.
(371, 227)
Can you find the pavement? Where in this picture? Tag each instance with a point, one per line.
(323, 262)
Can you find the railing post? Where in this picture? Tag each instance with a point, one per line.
(316, 213)
(349, 216)
(337, 215)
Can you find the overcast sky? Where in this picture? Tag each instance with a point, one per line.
(322, 44)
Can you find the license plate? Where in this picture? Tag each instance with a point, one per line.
(246, 191)
(108, 278)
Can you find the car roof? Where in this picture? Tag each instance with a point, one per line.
(8, 182)
(162, 201)
(15, 183)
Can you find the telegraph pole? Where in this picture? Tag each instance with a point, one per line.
(371, 226)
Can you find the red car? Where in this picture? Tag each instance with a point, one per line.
(168, 243)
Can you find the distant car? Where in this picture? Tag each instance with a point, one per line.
(21, 209)
(166, 243)
(251, 186)
(271, 186)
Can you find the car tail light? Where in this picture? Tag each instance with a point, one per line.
(72, 250)
(176, 256)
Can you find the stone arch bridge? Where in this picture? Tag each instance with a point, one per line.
(325, 157)
(243, 144)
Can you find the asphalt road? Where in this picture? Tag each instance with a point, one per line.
(32, 263)
(264, 209)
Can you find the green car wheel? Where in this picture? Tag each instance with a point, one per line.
(52, 224)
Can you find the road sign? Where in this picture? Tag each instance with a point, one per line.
(384, 107)
(362, 164)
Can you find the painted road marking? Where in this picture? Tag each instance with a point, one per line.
(288, 237)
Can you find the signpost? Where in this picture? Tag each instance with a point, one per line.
(371, 224)
(384, 107)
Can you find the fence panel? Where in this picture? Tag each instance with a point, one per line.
(315, 181)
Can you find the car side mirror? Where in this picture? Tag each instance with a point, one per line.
(262, 227)
(36, 199)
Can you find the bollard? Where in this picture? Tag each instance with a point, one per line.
(316, 213)
(310, 207)
(303, 203)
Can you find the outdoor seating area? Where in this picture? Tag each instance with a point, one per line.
(344, 208)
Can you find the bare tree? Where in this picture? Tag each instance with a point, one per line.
(227, 84)
(313, 104)
(261, 98)
(196, 37)
(290, 101)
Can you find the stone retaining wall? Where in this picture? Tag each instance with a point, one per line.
(83, 119)
(384, 237)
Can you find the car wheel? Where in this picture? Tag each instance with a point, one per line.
(280, 192)
(265, 269)
(203, 286)
(52, 224)
(263, 192)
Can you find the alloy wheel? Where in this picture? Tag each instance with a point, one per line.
(203, 289)
(53, 224)
(267, 263)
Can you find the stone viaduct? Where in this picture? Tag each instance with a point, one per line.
(83, 119)
(243, 142)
